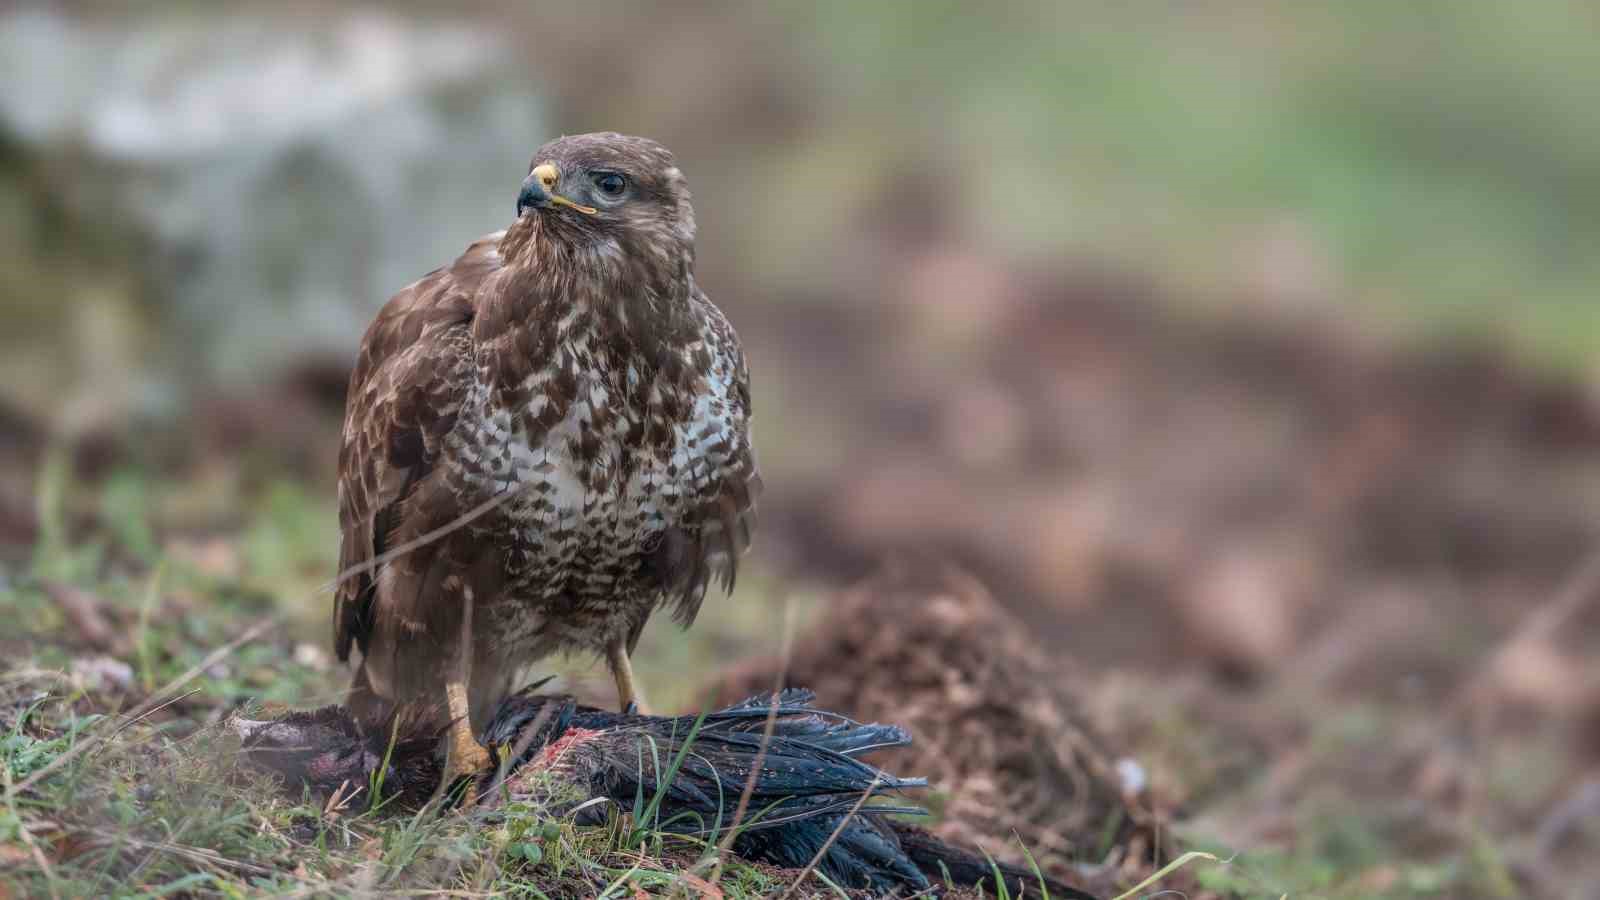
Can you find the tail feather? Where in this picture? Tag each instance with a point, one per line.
(940, 860)
(795, 718)
(864, 854)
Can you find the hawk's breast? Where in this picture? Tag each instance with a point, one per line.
(599, 483)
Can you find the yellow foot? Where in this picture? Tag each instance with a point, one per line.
(466, 757)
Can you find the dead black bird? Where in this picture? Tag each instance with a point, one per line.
(580, 760)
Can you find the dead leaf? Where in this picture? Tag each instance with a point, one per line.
(704, 888)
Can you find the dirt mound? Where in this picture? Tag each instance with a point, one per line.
(995, 723)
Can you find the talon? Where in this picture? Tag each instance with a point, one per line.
(467, 759)
(465, 756)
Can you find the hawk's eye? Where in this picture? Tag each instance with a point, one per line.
(610, 183)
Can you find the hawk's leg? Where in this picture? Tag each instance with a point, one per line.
(629, 700)
(466, 757)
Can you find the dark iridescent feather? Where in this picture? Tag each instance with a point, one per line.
(809, 785)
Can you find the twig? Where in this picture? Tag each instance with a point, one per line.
(27, 837)
(455, 524)
(134, 720)
(726, 844)
(339, 800)
(197, 854)
(524, 739)
(1581, 586)
(149, 705)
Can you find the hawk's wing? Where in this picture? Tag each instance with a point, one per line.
(724, 471)
(414, 368)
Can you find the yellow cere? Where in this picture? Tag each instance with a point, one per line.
(548, 176)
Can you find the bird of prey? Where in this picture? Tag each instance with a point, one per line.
(804, 799)
(544, 441)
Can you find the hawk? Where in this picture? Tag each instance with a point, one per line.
(544, 442)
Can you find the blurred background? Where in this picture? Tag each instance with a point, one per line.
(1246, 354)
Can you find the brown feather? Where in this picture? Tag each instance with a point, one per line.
(568, 380)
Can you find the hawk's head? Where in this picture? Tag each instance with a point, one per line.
(609, 189)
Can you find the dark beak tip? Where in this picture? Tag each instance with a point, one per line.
(531, 195)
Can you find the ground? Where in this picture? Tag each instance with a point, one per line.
(1348, 662)
(1236, 361)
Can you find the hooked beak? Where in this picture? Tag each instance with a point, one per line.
(538, 191)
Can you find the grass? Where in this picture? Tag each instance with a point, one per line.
(120, 780)
(153, 814)
(114, 788)
(162, 805)
(148, 797)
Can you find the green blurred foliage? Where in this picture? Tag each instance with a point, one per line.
(1444, 152)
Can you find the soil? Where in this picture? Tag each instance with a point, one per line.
(997, 727)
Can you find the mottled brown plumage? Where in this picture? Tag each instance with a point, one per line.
(567, 383)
